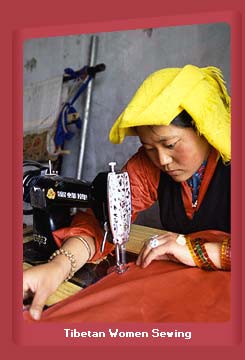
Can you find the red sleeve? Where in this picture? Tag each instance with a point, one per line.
(144, 179)
(85, 223)
(210, 235)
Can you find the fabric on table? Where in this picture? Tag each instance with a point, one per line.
(162, 292)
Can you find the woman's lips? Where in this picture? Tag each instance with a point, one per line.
(173, 172)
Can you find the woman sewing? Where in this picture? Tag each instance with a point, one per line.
(182, 118)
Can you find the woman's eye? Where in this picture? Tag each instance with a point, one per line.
(170, 146)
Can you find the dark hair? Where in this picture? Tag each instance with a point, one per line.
(183, 120)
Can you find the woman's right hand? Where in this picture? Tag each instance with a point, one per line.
(43, 280)
(40, 282)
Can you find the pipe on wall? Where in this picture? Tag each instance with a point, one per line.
(88, 96)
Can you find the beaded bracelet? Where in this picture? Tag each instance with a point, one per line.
(70, 257)
(225, 257)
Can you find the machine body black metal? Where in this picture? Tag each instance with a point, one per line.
(52, 198)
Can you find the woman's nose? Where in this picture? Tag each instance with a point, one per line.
(164, 158)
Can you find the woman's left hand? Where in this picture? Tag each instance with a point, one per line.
(167, 249)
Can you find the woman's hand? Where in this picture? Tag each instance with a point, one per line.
(41, 281)
(166, 249)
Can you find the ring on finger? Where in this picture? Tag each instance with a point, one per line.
(153, 242)
(147, 242)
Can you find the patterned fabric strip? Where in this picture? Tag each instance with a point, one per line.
(195, 181)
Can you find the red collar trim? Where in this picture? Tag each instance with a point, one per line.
(208, 174)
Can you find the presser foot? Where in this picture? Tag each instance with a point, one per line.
(121, 265)
(122, 268)
(119, 269)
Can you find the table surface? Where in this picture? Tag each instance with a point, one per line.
(138, 235)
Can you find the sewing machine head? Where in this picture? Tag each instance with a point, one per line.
(119, 209)
(52, 197)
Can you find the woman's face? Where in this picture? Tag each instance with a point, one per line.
(175, 150)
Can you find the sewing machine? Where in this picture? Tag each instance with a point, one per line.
(53, 198)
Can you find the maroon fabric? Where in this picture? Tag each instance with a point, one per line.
(162, 292)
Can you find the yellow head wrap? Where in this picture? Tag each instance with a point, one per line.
(167, 92)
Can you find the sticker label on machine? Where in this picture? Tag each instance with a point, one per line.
(51, 194)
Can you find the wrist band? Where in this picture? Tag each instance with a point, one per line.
(70, 257)
(86, 245)
(225, 257)
(200, 255)
(207, 262)
(181, 239)
(195, 257)
(84, 241)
